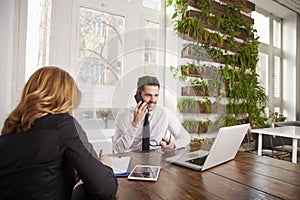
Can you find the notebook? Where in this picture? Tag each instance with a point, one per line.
(224, 148)
(120, 166)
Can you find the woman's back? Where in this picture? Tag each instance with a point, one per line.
(38, 163)
(33, 165)
(42, 145)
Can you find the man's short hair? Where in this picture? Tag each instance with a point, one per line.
(146, 80)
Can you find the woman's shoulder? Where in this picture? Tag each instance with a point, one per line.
(54, 120)
(55, 117)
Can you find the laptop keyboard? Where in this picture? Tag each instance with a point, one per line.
(197, 161)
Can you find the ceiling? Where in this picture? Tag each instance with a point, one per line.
(291, 4)
(280, 8)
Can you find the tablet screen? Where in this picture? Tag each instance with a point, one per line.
(144, 172)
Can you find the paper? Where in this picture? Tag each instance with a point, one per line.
(120, 165)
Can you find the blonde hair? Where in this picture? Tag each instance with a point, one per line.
(50, 90)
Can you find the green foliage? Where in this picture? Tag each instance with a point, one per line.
(188, 105)
(237, 76)
(195, 126)
(204, 6)
(191, 125)
(198, 81)
(180, 6)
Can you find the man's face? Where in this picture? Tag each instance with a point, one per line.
(150, 95)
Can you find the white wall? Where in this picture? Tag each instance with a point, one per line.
(6, 55)
(298, 70)
(172, 55)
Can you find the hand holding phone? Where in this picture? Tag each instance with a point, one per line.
(138, 97)
(140, 111)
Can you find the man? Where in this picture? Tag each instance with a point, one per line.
(163, 123)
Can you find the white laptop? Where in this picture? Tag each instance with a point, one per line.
(224, 148)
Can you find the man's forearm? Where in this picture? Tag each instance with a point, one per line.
(123, 140)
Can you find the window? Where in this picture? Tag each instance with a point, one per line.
(37, 35)
(104, 45)
(151, 47)
(276, 80)
(262, 24)
(276, 33)
(100, 48)
(270, 58)
(152, 4)
(262, 70)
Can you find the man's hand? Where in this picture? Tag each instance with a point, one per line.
(105, 160)
(166, 144)
(139, 113)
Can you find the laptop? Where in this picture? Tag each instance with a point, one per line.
(224, 148)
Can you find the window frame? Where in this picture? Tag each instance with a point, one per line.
(64, 42)
(273, 51)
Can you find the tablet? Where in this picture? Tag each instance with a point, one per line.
(145, 173)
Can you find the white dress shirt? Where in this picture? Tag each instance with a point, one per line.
(162, 120)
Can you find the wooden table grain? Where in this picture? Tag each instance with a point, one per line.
(248, 176)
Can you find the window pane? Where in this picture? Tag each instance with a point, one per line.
(262, 25)
(262, 70)
(100, 49)
(38, 35)
(276, 33)
(276, 76)
(151, 47)
(152, 4)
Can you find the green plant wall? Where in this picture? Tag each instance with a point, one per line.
(230, 40)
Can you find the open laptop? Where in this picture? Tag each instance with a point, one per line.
(224, 148)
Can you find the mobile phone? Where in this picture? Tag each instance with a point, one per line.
(138, 97)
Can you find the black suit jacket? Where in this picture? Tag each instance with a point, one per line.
(40, 163)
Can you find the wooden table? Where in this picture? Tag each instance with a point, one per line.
(284, 131)
(248, 176)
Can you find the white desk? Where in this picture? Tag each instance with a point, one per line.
(284, 131)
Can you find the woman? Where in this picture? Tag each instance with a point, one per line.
(42, 145)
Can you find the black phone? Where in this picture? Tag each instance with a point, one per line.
(138, 97)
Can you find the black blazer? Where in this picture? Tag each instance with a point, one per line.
(40, 163)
